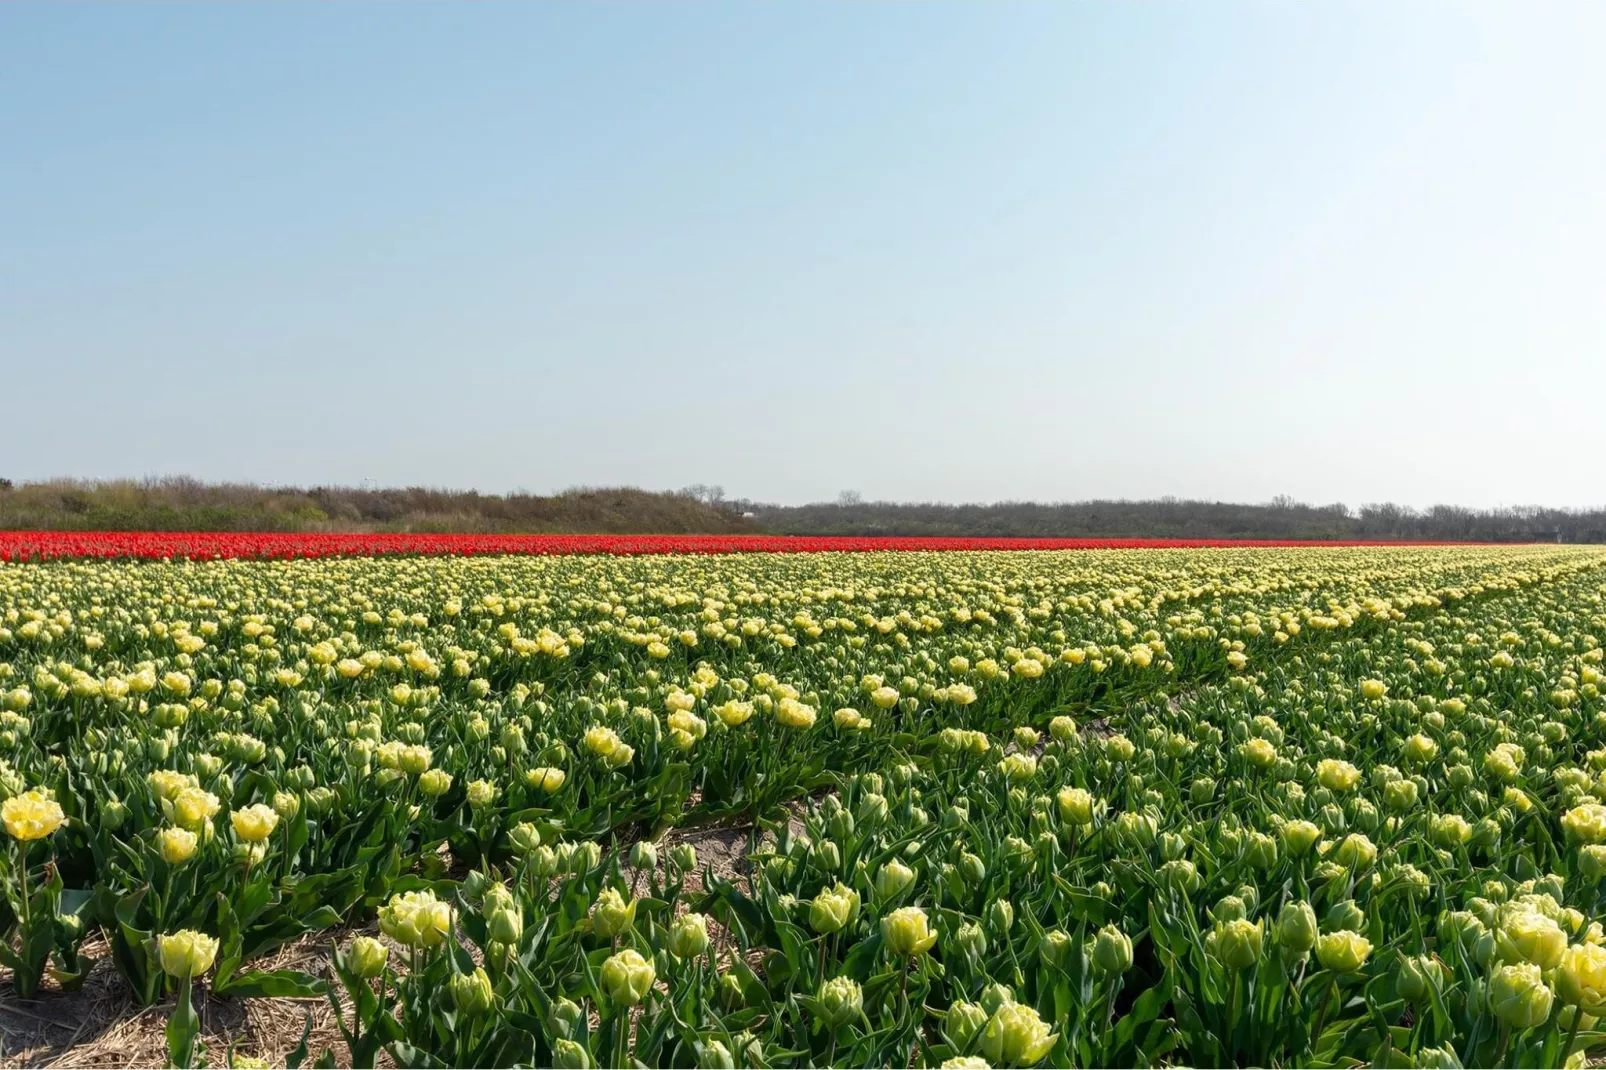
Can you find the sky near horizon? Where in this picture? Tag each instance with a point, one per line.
(969, 252)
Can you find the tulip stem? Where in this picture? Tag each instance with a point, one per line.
(1572, 1035)
(22, 879)
(1321, 1015)
(621, 1024)
(1232, 1012)
(1505, 1041)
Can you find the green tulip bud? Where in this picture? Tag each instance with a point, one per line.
(1419, 974)
(476, 885)
(644, 856)
(366, 957)
(1345, 915)
(1260, 850)
(1299, 837)
(1342, 951)
(524, 838)
(1229, 908)
(907, 932)
(570, 1055)
(714, 1055)
(1237, 943)
(684, 857)
(688, 936)
(471, 992)
(970, 940)
(730, 992)
(113, 814)
(1056, 946)
(585, 857)
(833, 908)
(893, 879)
(627, 977)
(1440, 1058)
(964, 1022)
(748, 1048)
(564, 1017)
(1112, 950)
(996, 995)
(611, 916)
(1179, 874)
(505, 923)
(286, 805)
(1400, 795)
(840, 1001)
(1001, 916)
(1296, 928)
(828, 856)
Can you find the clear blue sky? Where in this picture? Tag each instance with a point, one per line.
(1341, 251)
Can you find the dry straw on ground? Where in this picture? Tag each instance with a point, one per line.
(102, 1026)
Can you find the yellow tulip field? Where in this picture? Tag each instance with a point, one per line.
(1279, 806)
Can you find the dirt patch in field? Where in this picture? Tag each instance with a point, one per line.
(102, 1025)
(720, 848)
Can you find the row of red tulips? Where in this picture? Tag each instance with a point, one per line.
(50, 545)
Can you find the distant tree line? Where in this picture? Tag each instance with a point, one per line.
(183, 504)
(1281, 518)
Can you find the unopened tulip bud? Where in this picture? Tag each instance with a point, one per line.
(688, 936)
(611, 915)
(907, 932)
(1112, 950)
(893, 879)
(840, 1001)
(1001, 916)
(715, 1056)
(644, 856)
(964, 1022)
(570, 1055)
(366, 957)
(1056, 946)
(1296, 928)
(564, 1016)
(1343, 951)
(627, 977)
(471, 992)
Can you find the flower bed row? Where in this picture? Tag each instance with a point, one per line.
(55, 545)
